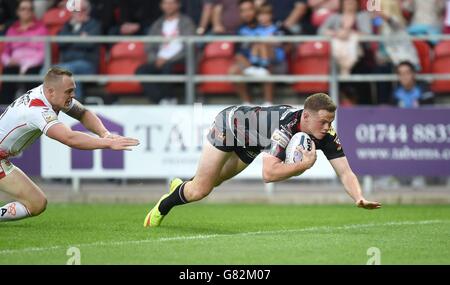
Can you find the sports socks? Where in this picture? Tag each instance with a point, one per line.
(13, 211)
(174, 199)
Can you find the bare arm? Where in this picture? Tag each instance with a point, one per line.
(206, 17)
(351, 183)
(88, 118)
(275, 170)
(297, 13)
(79, 140)
(314, 3)
(217, 19)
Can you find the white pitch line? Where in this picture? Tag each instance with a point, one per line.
(210, 236)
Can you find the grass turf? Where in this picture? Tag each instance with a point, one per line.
(230, 234)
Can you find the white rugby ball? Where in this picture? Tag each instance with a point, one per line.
(298, 141)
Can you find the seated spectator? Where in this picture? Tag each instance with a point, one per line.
(135, 17)
(243, 65)
(344, 28)
(427, 17)
(351, 56)
(321, 10)
(225, 18)
(409, 93)
(290, 16)
(22, 57)
(164, 58)
(389, 22)
(262, 55)
(80, 58)
(7, 14)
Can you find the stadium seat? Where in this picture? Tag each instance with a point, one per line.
(1, 65)
(424, 53)
(441, 64)
(103, 59)
(54, 19)
(217, 60)
(124, 59)
(313, 58)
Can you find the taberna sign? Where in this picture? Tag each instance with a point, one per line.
(393, 141)
(171, 142)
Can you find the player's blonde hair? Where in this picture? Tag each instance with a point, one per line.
(55, 74)
(320, 101)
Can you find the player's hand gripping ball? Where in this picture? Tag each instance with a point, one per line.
(298, 141)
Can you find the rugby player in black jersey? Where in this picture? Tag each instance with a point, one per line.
(240, 133)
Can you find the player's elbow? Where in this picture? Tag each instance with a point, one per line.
(268, 175)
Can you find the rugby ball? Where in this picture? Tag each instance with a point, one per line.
(298, 141)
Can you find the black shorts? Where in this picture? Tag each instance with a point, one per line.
(217, 136)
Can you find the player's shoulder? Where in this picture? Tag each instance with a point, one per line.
(36, 105)
(35, 98)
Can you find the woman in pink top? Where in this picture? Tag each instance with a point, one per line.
(22, 57)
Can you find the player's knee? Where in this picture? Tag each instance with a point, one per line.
(38, 206)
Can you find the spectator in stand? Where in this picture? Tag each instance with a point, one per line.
(164, 58)
(252, 57)
(290, 16)
(80, 58)
(390, 23)
(225, 18)
(135, 17)
(351, 56)
(410, 93)
(22, 57)
(427, 17)
(321, 10)
(8, 14)
(262, 55)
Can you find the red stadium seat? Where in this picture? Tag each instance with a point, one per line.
(124, 59)
(1, 65)
(103, 61)
(54, 19)
(441, 64)
(442, 49)
(424, 54)
(219, 49)
(217, 60)
(313, 58)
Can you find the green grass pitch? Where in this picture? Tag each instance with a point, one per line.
(230, 234)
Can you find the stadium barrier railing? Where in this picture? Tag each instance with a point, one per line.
(191, 78)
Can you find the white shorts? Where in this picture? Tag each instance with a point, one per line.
(6, 167)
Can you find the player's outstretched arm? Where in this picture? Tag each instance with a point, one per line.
(79, 140)
(88, 118)
(275, 170)
(351, 183)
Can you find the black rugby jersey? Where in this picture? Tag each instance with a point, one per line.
(270, 128)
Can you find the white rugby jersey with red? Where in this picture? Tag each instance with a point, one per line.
(22, 123)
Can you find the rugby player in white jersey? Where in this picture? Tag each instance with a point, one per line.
(35, 113)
